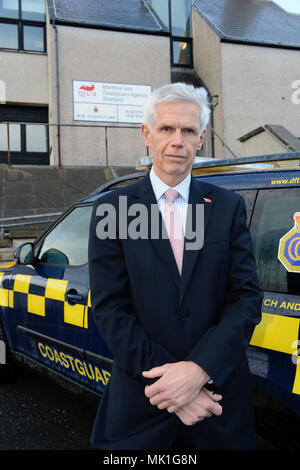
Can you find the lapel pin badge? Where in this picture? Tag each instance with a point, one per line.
(206, 199)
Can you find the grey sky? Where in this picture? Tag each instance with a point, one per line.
(292, 6)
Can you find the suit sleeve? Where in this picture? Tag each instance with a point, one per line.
(220, 350)
(113, 311)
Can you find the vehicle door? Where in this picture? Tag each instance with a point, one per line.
(50, 297)
(275, 229)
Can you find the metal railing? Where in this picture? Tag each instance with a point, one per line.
(106, 127)
(26, 221)
(58, 126)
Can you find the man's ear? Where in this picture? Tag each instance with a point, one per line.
(201, 139)
(146, 134)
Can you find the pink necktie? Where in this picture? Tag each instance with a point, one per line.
(174, 227)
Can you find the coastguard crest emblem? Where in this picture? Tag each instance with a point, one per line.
(289, 247)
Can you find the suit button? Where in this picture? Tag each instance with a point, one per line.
(186, 316)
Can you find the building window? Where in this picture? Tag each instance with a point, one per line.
(9, 8)
(22, 25)
(14, 136)
(36, 138)
(180, 17)
(181, 41)
(9, 36)
(176, 16)
(24, 140)
(181, 52)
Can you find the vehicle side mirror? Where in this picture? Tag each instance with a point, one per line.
(24, 254)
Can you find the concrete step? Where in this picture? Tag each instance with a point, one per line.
(28, 190)
(6, 254)
(5, 243)
(23, 233)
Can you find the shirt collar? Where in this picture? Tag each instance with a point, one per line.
(159, 187)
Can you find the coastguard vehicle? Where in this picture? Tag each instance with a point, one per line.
(46, 321)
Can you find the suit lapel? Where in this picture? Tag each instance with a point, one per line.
(143, 190)
(197, 193)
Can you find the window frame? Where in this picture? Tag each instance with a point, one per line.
(25, 115)
(189, 43)
(35, 24)
(23, 157)
(20, 23)
(174, 38)
(187, 39)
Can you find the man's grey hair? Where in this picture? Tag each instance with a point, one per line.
(178, 92)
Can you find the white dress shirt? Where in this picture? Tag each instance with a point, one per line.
(181, 202)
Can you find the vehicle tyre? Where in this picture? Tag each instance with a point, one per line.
(276, 430)
(7, 368)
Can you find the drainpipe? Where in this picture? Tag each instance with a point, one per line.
(57, 94)
(212, 134)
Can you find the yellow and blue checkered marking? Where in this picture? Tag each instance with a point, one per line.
(39, 293)
(275, 332)
(280, 333)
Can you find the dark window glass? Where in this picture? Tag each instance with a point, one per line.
(20, 30)
(34, 38)
(182, 53)
(9, 8)
(28, 135)
(176, 16)
(9, 36)
(249, 195)
(33, 10)
(272, 219)
(67, 243)
(180, 18)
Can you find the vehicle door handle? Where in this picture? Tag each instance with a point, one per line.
(72, 297)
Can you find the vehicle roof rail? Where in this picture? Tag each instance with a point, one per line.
(217, 162)
(275, 157)
(114, 181)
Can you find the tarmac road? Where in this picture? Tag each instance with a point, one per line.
(38, 415)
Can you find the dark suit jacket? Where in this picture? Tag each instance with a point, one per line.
(149, 315)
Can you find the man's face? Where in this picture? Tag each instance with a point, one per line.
(174, 139)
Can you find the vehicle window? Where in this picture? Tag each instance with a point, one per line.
(272, 219)
(249, 195)
(67, 243)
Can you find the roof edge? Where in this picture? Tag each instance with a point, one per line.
(233, 40)
(213, 26)
(86, 24)
(244, 42)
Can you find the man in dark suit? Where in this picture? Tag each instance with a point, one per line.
(177, 318)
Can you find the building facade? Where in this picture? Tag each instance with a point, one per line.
(74, 75)
(247, 54)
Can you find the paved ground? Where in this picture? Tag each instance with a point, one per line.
(38, 415)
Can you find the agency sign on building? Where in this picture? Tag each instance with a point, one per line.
(109, 102)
